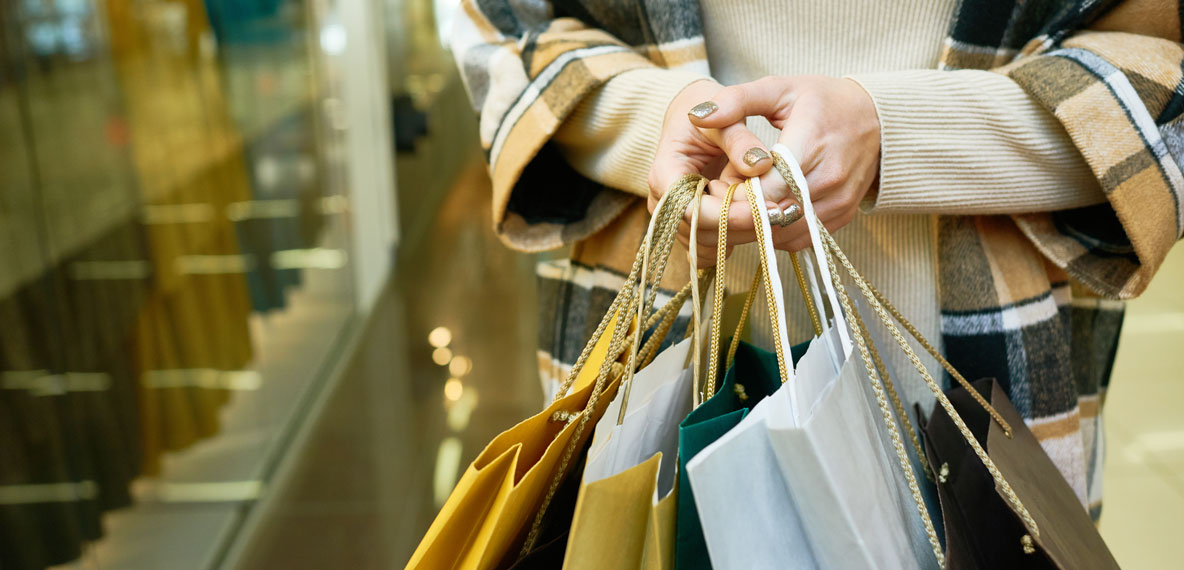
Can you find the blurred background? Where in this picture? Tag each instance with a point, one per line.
(252, 311)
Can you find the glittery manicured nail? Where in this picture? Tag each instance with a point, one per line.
(775, 216)
(703, 109)
(755, 155)
(792, 214)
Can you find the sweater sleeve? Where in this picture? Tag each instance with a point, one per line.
(612, 135)
(972, 142)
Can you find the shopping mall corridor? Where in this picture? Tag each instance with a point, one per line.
(396, 431)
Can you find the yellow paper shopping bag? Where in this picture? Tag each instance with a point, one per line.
(489, 512)
(618, 523)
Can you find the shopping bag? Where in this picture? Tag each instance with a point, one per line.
(841, 453)
(1041, 516)
(493, 501)
(750, 461)
(630, 470)
(749, 518)
(752, 376)
(494, 515)
(624, 517)
(983, 530)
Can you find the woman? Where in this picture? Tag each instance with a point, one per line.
(994, 166)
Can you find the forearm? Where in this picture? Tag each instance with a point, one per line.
(972, 142)
(612, 134)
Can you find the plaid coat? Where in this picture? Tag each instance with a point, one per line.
(1034, 300)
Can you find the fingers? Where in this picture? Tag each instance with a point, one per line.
(747, 156)
(739, 215)
(833, 214)
(764, 97)
(667, 169)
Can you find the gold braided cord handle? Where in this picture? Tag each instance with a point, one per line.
(624, 296)
(666, 226)
(668, 315)
(890, 387)
(836, 253)
(761, 273)
(660, 266)
(717, 303)
(770, 298)
(655, 340)
(941, 360)
(810, 308)
(735, 345)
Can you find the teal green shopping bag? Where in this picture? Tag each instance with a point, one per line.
(752, 376)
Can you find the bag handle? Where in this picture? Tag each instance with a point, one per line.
(664, 225)
(787, 167)
(631, 364)
(696, 309)
(766, 272)
(718, 299)
(816, 228)
(622, 303)
(774, 294)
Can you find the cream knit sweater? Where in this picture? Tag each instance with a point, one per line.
(953, 142)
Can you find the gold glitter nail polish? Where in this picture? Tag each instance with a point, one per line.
(755, 155)
(703, 109)
(792, 214)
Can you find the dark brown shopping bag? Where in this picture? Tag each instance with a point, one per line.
(982, 528)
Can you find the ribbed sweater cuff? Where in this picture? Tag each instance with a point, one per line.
(613, 134)
(971, 142)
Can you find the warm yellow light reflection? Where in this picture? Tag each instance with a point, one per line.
(447, 469)
(442, 355)
(461, 410)
(453, 389)
(440, 336)
(460, 365)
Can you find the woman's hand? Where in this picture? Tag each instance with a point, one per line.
(685, 149)
(726, 151)
(830, 125)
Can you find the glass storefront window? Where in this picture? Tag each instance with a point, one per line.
(174, 233)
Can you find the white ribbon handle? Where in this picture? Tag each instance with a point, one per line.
(819, 248)
(780, 332)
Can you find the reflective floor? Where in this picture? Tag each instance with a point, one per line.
(446, 363)
(398, 432)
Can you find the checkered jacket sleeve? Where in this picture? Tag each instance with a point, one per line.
(1111, 73)
(527, 65)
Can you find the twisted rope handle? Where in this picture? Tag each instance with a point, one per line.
(674, 216)
(834, 252)
(666, 225)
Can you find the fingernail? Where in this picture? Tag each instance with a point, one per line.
(703, 109)
(792, 214)
(755, 155)
(775, 216)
